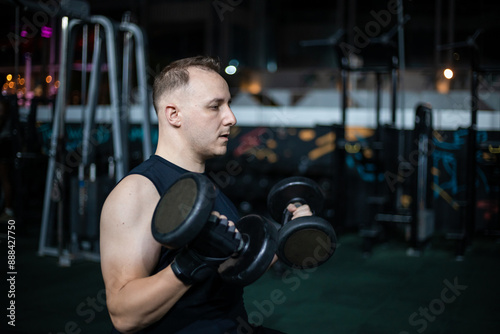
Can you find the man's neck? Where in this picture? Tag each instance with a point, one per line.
(181, 159)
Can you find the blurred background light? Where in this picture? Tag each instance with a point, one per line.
(448, 73)
(231, 69)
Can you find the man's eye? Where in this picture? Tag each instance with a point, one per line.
(214, 107)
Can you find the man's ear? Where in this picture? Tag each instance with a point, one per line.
(172, 115)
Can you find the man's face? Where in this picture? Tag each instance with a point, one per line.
(207, 116)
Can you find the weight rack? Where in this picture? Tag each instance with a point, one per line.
(106, 31)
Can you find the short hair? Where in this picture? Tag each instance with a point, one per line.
(176, 75)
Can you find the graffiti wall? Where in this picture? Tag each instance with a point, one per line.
(365, 170)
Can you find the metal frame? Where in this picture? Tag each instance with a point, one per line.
(140, 56)
(119, 119)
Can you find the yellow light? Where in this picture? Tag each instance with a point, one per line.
(405, 201)
(48, 79)
(254, 88)
(38, 90)
(21, 81)
(56, 84)
(368, 153)
(9, 77)
(443, 86)
(272, 144)
(307, 135)
(11, 84)
(448, 73)
(5, 86)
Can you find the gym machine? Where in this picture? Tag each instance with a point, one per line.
(84, 226)
(422, 213)
(380, 200)
(469, 206)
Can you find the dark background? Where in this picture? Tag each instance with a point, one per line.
(371, 285)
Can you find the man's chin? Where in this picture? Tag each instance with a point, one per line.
(218, 153)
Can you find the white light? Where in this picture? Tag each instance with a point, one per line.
(448, 74)
(231, 69)
(64, 22)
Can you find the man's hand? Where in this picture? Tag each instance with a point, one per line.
(300, 211)
(217, 241)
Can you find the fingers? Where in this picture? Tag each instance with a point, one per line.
(230, 222)
(301, 211)
(218, 215)
(275, 259)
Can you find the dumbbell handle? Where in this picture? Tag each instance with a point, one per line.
(218, 235)
(216, 243)
(243, 238)
(259, 248)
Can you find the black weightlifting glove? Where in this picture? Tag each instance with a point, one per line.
(216, 242)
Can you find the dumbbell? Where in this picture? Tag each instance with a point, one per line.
(305, 242)
(183, 214)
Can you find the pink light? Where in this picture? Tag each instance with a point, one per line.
(46, 32)
(24, 33)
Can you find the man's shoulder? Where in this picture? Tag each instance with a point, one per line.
(131, 192)
(135, 184)
(161, 172)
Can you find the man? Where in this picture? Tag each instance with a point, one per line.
(146, 289)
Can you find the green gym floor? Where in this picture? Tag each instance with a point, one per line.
(388, 292)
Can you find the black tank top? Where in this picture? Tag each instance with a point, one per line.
(212, 306)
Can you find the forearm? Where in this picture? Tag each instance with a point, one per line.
(142, 302)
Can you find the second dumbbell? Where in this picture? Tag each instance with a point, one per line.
(304, 242)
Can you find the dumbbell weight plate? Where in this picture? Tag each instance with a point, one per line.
(251, 262)
(291, 190)
(183, 210)
(306, 242)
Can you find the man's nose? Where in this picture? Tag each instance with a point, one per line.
(229, 118)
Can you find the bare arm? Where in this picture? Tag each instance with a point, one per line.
(128, 256)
